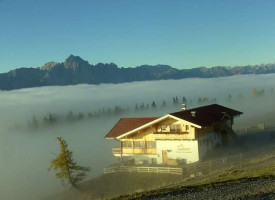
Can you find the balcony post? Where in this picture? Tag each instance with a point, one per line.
(132, 146)
(121, 148)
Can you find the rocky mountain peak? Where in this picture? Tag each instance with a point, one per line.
(49, 65)
(74, 62)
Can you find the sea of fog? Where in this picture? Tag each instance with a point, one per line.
(25, 151)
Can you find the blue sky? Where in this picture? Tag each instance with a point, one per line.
(181, 33)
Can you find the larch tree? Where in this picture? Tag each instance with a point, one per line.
(66, 168)
(153, 104)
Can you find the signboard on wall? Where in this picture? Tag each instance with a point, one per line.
(183, 149)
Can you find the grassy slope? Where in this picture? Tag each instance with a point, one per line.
(125, 186)
(256, 168)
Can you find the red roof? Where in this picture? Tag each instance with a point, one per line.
(127, 124)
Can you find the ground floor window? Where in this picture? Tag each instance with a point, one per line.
(151, 144)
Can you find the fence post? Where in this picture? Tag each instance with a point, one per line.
(241, 158)
(210, 165)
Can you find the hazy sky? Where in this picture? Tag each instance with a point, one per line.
(181, 33)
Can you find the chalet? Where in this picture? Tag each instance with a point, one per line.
(175, 138)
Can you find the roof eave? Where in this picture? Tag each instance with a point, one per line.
(153, 122)
(109, 138)
(177, 118)
(141, 127)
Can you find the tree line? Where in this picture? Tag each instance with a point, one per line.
(52, 119)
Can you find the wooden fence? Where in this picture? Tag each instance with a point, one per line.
(238, 160)
(255, 129)
(157, 170)
(198, 168)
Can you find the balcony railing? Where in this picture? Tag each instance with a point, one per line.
(172, 132)
(117, 150)
(184, 135)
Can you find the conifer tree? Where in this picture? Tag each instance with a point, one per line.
(153, 104)
(141, 107)
(34, 122)
(136, 107)
(229, 98)
(70, 116)
(66, 168)
(163, 104)
(184, 100)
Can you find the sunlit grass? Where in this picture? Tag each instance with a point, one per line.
(224, 176)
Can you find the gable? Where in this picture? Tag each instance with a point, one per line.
(152, 123)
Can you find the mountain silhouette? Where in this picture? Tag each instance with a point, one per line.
(74, 70)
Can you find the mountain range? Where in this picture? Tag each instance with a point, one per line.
(74, 70)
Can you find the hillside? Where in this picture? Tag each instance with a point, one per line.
(253, 175)
(74, 70)
(254, 178)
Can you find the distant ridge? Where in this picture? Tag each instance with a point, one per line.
(74, 70)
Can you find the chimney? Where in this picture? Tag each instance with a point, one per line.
(183, 106)
(193, 113)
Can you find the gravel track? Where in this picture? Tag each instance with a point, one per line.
(246, 189)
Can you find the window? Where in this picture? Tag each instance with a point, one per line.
(139, 144)
(163, 127)
(151, 144)
(186, 127)
(175, 128)
(127, 144)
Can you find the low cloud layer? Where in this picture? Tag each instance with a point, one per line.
(25, 153)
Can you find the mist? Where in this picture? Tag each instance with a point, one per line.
(25, 152)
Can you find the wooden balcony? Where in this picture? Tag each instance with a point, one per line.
(174, 135)
(117, 150)
(172, 132)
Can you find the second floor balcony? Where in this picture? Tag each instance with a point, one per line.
(119, 150)
(174, 135)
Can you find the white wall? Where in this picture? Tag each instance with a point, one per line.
(178, 149)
